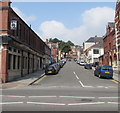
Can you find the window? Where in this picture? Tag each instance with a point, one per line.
(18, 64)
(9, 61)
(17, 30)
(14, 61)
(10, 49)
(20, 30)
(109, 45)
(95, 51)
(119, 14)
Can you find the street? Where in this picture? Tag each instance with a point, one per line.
(72, 89)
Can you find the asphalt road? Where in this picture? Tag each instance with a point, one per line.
(72, 89)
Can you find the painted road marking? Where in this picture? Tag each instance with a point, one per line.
(81, 84)
(100, 86)
(76, 75)
(13, 96)
(5, 103)
(89, 86)
(113, 102)
(39, 79)
(46, 103)
(74, 104)
(107, 97)
(116, 82)
(74, 97)
(42, 96)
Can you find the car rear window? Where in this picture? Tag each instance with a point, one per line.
(107, 68)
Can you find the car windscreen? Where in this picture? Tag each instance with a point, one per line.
(107, 68)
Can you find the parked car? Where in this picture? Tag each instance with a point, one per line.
(51, 70)
(61, 63)
(88, 66)
(78, 61)
(82, 63)
(57, 65)
(104, 71)
(95, 64)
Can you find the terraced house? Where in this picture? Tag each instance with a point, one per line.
(117, 29)
(22, 51)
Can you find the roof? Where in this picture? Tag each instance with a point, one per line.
(97, 45)
(94, 39)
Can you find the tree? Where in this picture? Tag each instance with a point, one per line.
(66, 48)
(55, 40)
(70, 43)
(63, 46)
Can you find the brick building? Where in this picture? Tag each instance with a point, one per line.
(21, 49)
(117, 30)
(109, 42)
(54, 50)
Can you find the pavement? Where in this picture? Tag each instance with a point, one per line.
(23, 81)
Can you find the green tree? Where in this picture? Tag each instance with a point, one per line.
(70, 43)
(55, 40)
(66, 48)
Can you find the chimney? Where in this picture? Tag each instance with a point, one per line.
(96, 36)
(47, 41)
(5, 3)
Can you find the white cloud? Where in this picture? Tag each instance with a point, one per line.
(24, 16)
(94, 23)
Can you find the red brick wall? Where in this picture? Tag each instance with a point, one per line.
(4, 17)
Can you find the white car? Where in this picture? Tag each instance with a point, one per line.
(78, 62)
(82, 63)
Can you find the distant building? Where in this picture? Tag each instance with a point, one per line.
(91, 41)
(93, 53)
(54, 50)
(92, 49)
(76, 51)
(21, 49)
(109, 42)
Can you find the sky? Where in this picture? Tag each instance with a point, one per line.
(75, 21)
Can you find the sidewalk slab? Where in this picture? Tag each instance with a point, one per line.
(23, 81)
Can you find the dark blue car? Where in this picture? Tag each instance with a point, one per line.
(104, 71)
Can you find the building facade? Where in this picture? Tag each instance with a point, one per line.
(94, 52)
(54, 50)
(109, 41)
(21, 49)
(117, 30)
(88, 49)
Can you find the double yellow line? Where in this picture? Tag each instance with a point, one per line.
(116, 82)
(40, 79)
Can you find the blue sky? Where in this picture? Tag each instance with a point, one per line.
(69, 15)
